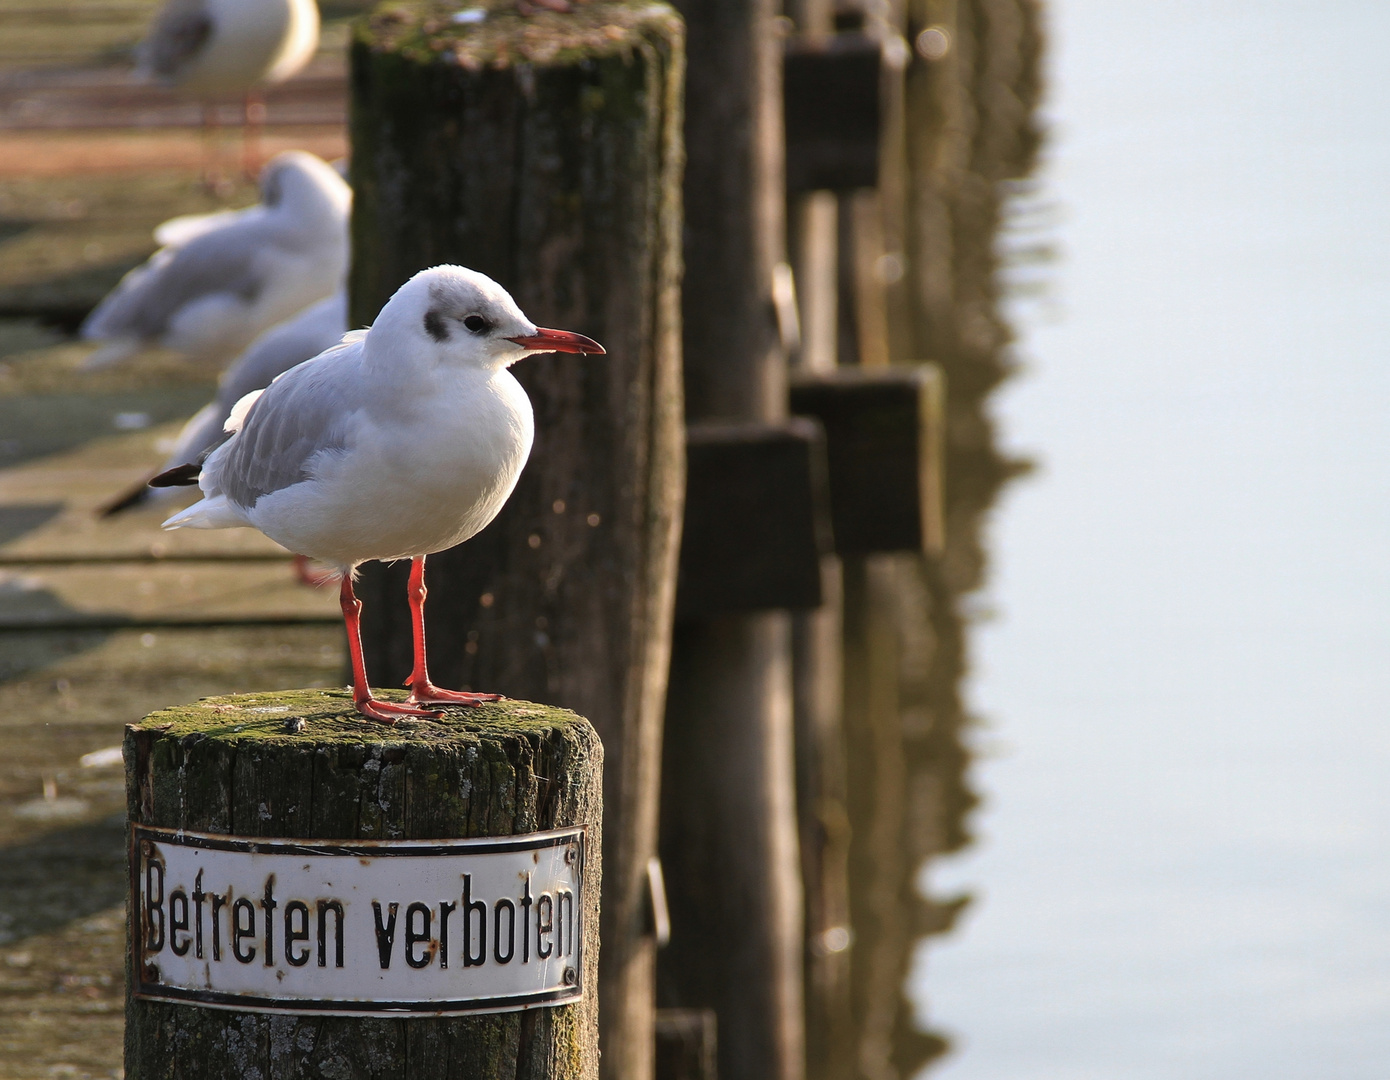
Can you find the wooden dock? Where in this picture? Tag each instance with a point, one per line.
(105, 620)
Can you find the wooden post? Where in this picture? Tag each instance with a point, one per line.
(301, 764)
(728, 830)
(686, 1044)
(545, 151)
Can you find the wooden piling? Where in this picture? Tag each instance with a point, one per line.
(302, 764)
(729, 841)
(545, 151)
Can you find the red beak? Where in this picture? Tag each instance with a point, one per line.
(545, 340)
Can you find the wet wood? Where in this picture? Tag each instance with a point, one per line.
(545, 151)
(223, 766)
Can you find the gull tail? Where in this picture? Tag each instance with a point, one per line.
(215, 512)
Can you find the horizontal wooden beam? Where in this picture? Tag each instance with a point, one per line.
(831, 109)
(884, 443)
(756, 518)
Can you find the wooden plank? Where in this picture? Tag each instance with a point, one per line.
(756, 518)
(883, 433)
(48, 506)
(832, 113)
(151, 594)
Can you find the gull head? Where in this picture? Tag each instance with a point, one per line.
(462, 317)
(296, 181)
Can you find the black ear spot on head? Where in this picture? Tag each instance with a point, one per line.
(434, 326)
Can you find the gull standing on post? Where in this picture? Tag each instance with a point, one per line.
(403, 440)
(219, 48)
(221, 279)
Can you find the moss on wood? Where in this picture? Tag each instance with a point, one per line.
(504, 33)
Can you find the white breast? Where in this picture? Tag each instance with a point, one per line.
(419, 476)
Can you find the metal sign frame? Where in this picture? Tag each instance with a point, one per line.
(145, 976)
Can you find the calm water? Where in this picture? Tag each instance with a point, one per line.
(1184, 860)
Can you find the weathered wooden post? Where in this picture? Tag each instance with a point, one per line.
(729, 841)
(313, 895)
(545, 151)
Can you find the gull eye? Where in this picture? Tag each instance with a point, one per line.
(477, 324)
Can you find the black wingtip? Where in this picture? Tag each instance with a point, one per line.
(178, 476)
(132, 496)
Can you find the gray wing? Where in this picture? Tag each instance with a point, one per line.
(179, 33)
(301, 416)
(142, 304)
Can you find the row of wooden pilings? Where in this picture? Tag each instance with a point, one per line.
(714, 553)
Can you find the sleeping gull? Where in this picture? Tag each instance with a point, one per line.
(319, 326)
(217, 48)
(221, 279)
(400, 441)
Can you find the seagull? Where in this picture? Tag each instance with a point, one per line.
(400, 441)
(220, 279)
(318, 327)
(216, 48)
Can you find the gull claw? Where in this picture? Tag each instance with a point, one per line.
(388, 712)
(429, 694)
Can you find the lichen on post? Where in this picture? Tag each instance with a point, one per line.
(303, 765)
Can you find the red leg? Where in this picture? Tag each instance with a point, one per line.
(385, 711)
(253, 120)
(421, 689)
(212, 169)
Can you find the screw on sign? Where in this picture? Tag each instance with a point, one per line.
(385, 928)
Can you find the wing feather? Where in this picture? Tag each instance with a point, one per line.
(301, 417)
(142, 305)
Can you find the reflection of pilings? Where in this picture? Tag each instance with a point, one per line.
(818, 695)
(968, 98)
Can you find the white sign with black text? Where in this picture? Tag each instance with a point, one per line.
(365, 928)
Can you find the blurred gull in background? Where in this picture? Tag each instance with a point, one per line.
(221, 279)
(316, 328)
(219, 48)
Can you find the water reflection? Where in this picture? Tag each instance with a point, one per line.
(970, 131)
(1184, 872)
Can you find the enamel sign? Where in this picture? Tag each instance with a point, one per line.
(363, 928)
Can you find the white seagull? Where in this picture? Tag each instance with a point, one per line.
(220, 48)
(400, 441)
(213, 47)
(221, 279)
(319, 326)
